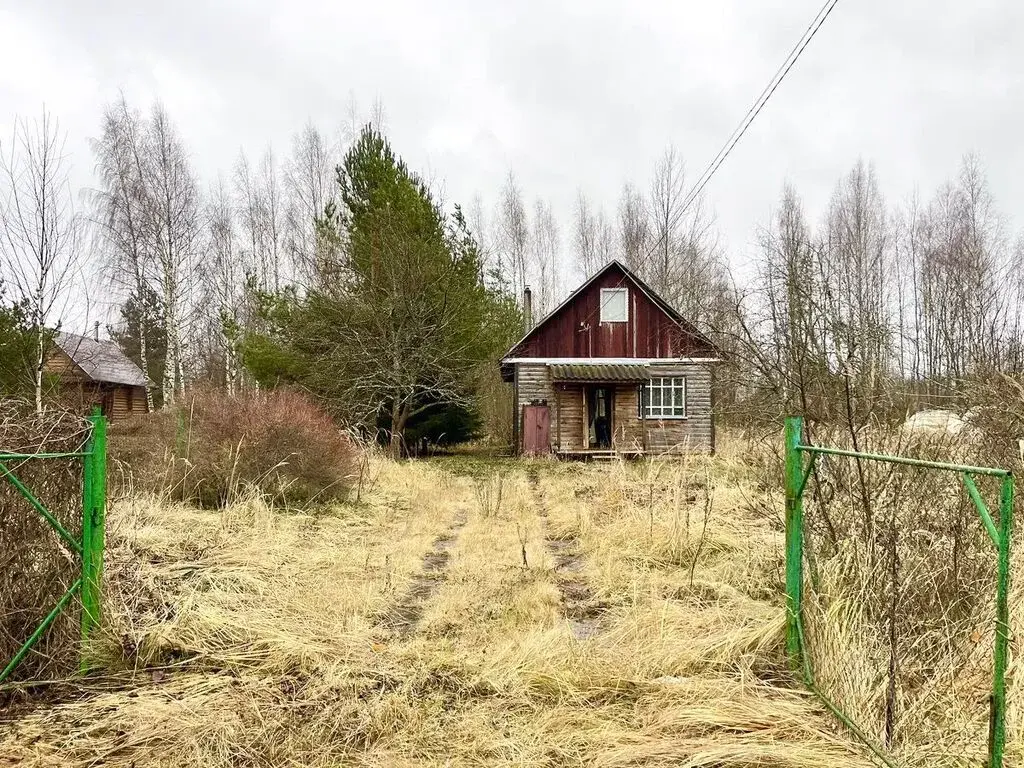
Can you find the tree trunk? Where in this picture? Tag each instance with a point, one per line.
(398, 417)
(38, 373)
(144, 360)
(229, 366)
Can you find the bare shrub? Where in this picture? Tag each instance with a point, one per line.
(488, 494)
(36, 565)
(212, 448)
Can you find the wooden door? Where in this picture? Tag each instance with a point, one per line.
(536, 430)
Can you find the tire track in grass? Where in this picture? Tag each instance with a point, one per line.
(404, 617)
(582, 611)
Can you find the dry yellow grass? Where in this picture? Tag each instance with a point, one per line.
(257, 638)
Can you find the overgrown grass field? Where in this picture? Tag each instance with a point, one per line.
(459, 613)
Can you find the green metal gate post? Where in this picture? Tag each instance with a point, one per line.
(90, 547)
(1002, 625)
(794, 538)
(94, 502)
(796, 480)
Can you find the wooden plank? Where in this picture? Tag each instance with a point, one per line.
(576, 329)
(515, 410)
(586, 426)
(558, 418)
(643, 417)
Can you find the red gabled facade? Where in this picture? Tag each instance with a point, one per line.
(653, 329)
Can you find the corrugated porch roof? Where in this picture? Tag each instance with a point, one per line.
(599, 372)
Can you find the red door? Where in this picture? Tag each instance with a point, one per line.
(536, 430)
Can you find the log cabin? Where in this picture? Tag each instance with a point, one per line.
(612, 371)
(87, 371)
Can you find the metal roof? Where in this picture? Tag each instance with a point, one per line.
(100, 360)
(599, 372)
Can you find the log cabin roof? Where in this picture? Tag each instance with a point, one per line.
(100, 360)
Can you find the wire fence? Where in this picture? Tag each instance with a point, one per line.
(898, 585)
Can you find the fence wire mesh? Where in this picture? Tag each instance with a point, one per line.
(36, 565)
(899, 601)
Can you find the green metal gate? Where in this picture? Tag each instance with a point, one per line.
(804, 565)
(88, 548)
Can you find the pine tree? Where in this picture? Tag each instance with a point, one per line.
(141, 318)
(401, 323)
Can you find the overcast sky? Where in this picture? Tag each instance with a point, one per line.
(567, 94)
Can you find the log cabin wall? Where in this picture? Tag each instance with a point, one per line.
(695, 433)
(124, 401)
(627, 427)
(569, 417)
(569, 429)
(57, 363)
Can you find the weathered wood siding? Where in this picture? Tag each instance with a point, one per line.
(695, 433)
(123, 401)
(627, 428)
(533, 386)
(570, 417)
(576, 329)
(138, 400)
(57, 363)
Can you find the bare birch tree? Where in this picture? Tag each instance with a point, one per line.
(224, 282)
(176, 225)
(683, 262)
(250, 206)
(40, 232)
(273, 210)
(308, 188)
(667, 195)
(584, 237)
(123, 211)
(477, 220)
(855, 275)
(604, 243)
(545, 247)
(512, 227)
(634, 230)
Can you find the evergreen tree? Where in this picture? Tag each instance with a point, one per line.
(402, 323)
(17, 348)
(141, 314)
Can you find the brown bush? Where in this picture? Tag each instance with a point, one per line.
(212, 448)
(36, 565)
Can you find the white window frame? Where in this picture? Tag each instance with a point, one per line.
(606, 298)
(663, 385)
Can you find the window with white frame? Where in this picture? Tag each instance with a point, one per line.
(614, 305)
(664, 397)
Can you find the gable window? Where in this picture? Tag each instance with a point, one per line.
(664, 398)
(614, 305)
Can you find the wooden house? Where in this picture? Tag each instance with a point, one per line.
(614, 370)
(87, 372)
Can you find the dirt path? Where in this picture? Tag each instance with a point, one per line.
(579, 606)
(402, 620)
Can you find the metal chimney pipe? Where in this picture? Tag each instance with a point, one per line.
(96, 330)
(527, 310)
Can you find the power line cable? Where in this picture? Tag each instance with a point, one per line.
(766, 93)
(776, 81)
